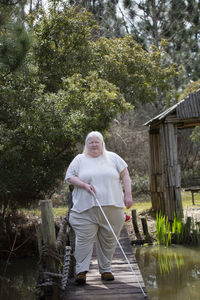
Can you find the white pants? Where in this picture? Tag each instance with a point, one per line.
(91, 225)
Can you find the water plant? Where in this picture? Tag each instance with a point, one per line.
(163, 230)
(177, 232)
(177, 229)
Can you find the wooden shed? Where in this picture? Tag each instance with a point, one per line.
(165, 172)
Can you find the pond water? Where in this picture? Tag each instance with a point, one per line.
(170, 273)
(18, 279)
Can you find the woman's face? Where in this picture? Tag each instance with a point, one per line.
(95, 147)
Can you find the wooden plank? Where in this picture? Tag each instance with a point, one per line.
(195, 107)
(101, 291)
(129, 277)
(108, 297)
(189, 107)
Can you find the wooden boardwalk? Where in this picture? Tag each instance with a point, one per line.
(125, 285)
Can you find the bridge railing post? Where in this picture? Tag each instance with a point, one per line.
(49, 273)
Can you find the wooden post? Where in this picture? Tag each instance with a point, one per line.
(192, 197)
(48, 226)
(188, 223)
(50, 264)
(135, 225)
(144, 226)
(145, 230)
(39, 238)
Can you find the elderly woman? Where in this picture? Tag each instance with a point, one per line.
(97, 171)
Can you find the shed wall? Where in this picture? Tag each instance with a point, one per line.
(165, 176)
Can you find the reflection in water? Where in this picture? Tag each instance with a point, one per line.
(168, 260)
(170, 273)
(18, 279)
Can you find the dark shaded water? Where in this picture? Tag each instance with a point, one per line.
(170, 273)
(18, 279)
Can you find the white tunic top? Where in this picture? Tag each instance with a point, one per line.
(103, 174)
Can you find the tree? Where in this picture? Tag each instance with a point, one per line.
(177, 21)
(138, 73)
(105, 12)
(14, 39)
(68, 85)
(61, 44)
(39, 131)
(63, 47)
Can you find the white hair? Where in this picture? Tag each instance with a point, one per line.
(98, 135)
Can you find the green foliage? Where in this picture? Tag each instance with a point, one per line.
(14, 44)
(92, 100)
(175, 21)
(178, 228)
(14, 38)
(138, 74)
(106, 14)
(176, 232)
(32, 138)
(191, 88)
(163, 230)
(61, 44)
(39, 130)
(68, 85)
(195, 136)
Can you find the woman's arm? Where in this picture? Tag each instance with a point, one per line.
(128, 200)
(79, 183)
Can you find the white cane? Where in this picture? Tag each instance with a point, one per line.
(119, 244)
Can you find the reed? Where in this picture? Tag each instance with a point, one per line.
(163, 230)
(177, 232)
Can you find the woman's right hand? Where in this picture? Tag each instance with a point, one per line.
(89, 188)
(81, 184)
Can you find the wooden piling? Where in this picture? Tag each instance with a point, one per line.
(135, 225)
(188, 224)
(39, 238)
(187, 229)
(48, 226)
(49, 281)
(145, 230)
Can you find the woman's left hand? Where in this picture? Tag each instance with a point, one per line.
(128, 201)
